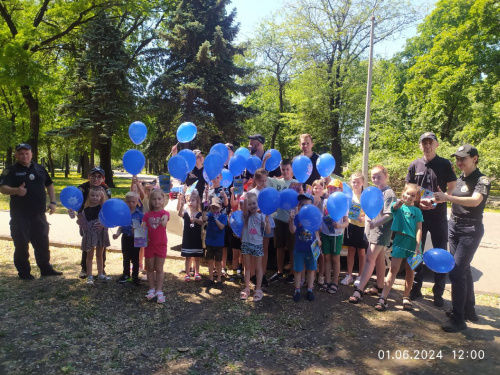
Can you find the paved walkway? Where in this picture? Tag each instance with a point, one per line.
(64, 232)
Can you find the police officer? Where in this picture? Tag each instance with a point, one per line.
(465, 230)
(26, 183)
(432, 172)
(97, 177)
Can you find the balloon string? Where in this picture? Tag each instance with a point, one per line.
(168, 157)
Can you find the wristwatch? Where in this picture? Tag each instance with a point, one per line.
(54, 203)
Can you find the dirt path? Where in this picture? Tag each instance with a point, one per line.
(60, 325)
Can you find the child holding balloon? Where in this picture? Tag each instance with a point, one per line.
(255, 224)
(378, 232)
(407, 223)
(318, 188)
(332, 233)
(214, 241)
(95, 236)
(155, 220)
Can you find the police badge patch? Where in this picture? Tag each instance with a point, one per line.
(484, 180)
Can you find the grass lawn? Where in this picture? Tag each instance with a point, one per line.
(122, 187)
(60, 325)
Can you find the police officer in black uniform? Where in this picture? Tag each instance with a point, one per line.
(432, 173)
(97, 177)
(26, 183)
(465, 230)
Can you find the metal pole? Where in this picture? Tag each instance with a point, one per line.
(366, 140)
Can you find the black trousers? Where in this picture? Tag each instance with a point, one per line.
(130, 254)
(34, 229)
(464, 241)
(438, 228)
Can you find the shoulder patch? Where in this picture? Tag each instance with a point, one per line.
(484, 180)
(5, 172)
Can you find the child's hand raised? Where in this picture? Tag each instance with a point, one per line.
(292, 214)
(71, 213)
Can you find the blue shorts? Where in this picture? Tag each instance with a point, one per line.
(301, 257)
(251, 249)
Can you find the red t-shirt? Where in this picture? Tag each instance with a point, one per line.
(157, 233)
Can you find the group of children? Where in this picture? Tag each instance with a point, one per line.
(207, 233)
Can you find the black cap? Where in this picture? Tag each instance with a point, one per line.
(23, 145)
(427, 135)
(97, 170)
(230, 146)
(465, 150)
(257, 137)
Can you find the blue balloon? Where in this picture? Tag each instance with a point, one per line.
(227, 178)
(207, 180)
(274, 161)
(103, 221)
(116, 213)
(237, 165)
(71, 197)
(236, 222)
(243, 151)
(346, 189)
(288, 199)
(253, 163)
(302, 168)
(221, 149)
(213, 165)
(310, 217)
(134, 161)
(337, 205)
(325, 165)
(372, 201)
(190, 158)
(186, 132)
(268, 200)
(178, 167)
(439, 260)
(137, 132)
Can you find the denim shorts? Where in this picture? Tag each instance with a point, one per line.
(251, 249)
(301, 257)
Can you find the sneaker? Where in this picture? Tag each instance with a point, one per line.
(219, 285)
(296, 296)
(104, 278)
(160, 297)
(438, 301)
(290, 279)
(357, 282)
(122, 279)
(454, 325)
(82, 274)
(348, 279)
(321, 280)
(136, 281)
(276, 277)
(310, 295)
(151, 294)
(90, 280)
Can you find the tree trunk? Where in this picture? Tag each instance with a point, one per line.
(32, 104)
(105, 159)
(9, 160)
(79, 166)
(93, 142)
(51, 161)
(66, 165)
(85, 165)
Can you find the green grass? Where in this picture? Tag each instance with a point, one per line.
(74, 179)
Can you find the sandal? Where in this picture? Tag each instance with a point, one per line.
(324, 287)
(160, 297)
(333, 288)
(381, 306)
(244, 294)
(187, 278)
(151, 294)
(197, 277)
(354, 298)
(258, 295)
(407, 305)
(373, 291)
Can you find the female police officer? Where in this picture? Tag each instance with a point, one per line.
(465, 230)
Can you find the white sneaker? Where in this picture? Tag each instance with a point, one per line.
(90, 280)
(104, 278)
(348, 279)
(357, 282)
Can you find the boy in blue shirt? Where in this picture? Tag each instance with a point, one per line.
(129, 251)
(302, 252)
(214, 240)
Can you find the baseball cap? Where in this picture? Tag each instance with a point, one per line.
(215, 202)
(336, 183)
(465, 150)
(427, 135)
(97, 170)
(257, 137)
(230, 146)
(305, 196)
(197, 152)
(23, 145)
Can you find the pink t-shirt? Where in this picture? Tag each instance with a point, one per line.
(157, 233)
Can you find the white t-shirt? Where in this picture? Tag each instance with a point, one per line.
(253, 231)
